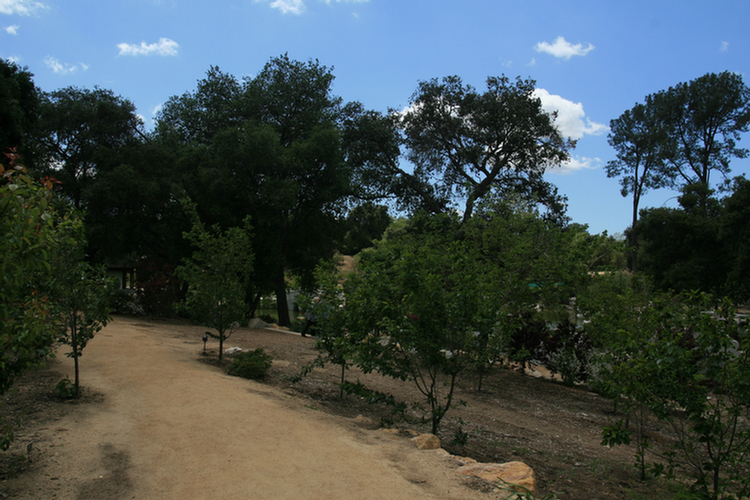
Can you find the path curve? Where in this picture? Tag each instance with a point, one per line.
(171, 427)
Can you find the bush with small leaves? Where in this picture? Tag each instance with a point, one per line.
(251, 364)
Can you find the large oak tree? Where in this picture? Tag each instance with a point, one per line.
(465, 144)
(269, 147)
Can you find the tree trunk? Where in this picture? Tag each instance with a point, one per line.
(255, 305)
(74, 345)
(221, 345)
(282, 308)
(343, 379)
(633, 237)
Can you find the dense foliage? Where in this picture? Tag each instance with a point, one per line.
(681, 359)
(438, 298)
(699, 247)
(26, 231)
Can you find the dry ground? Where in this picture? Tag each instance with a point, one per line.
(157, 421)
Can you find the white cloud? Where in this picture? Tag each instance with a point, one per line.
(12, 30)
(298, 6)
(724, 47)
(63, 69)
(570, 116)
(293, 6)
(575, 164)
(20, 7)
(164, 47)
(15, 59)
(562, 49)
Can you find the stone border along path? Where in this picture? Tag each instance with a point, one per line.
(171, 427)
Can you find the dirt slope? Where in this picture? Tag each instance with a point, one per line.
(156, 423)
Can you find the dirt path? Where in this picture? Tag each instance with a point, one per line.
(165, 426)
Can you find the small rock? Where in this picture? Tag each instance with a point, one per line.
(257, 323)
(393, 433)
(365, 422)
(427, 442)
(232, 352)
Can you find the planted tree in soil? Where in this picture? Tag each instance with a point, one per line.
(81, 294)
(217, 274)
(412, 310)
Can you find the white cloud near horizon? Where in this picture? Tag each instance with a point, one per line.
(63, 69)
(12, 30)
(570, 116)
(164, 47)
(563, 49)
(724, 47)
(20, 7)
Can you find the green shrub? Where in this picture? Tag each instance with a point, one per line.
(67, 390)
(251, 364)
(565, 362)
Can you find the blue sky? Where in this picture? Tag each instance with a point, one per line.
(592, 60)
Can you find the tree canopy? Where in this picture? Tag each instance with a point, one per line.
(19, 109)
(269, 148)
(466, 144)
(81, 132)
(639, 138)
(698, 125)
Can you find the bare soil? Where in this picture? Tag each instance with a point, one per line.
(159, 420)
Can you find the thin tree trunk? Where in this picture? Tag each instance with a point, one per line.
(74, 341)
(633, 236)
(282, 307)
(343, 379)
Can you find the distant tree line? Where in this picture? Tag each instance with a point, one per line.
(678, 138)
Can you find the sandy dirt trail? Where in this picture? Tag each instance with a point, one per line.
(171, 427)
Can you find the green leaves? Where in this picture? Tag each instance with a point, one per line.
(26, 232)
(684, 360)
(80, 293)
(431, 299)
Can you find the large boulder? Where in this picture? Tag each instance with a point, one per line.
(512, 473)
